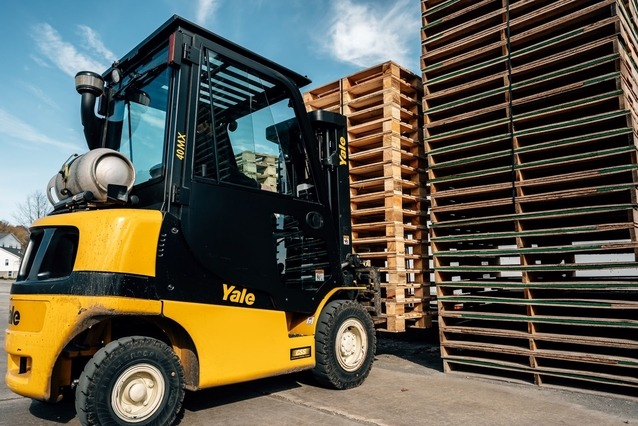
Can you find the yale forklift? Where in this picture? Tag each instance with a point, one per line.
(203, 240)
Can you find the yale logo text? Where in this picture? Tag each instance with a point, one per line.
(343, 153)
(14, 316)
(235, 295)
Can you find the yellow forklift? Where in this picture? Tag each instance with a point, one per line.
(203, 240)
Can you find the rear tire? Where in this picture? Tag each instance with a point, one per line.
(131, 381)
(345, 343)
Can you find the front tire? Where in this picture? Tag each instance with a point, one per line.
(131, 381)
(345, 343)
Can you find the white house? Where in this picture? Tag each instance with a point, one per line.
(10, 255)
(9, 262)
(8, 240)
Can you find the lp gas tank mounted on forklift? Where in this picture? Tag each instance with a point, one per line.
(203, 240)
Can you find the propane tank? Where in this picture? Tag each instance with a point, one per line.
(92, 171)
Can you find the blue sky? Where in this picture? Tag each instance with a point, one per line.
(44, 44)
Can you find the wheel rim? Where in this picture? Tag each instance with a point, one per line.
(352, 344)
(138, 393)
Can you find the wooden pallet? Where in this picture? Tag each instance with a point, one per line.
(387, 181)
(530, 132)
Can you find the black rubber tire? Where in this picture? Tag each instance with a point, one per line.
(101, 374)
(329, 371)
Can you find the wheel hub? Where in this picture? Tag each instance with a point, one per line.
(138, 393)
(348, 342)
(352, 345)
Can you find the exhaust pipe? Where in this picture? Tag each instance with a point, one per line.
(90, 85)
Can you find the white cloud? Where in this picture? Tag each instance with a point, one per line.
(93, 42)
(41, 62)
(205, 9)
(63, 54)
(42, 96)
(366, 33)
(15, 130)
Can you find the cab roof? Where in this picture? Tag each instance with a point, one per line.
(177, 23)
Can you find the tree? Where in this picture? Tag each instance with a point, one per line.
(34, 207)
(20, 232)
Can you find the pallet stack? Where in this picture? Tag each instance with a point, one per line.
(261, 167)
(387, 181)
(530, 132)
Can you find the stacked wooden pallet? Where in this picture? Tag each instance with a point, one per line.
(530, 132)
(387, 182)
(261, 167)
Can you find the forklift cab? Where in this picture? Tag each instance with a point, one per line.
(254, 188)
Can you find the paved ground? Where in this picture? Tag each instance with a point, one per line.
(406, 387)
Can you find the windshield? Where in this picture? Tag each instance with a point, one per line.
(137, 125)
